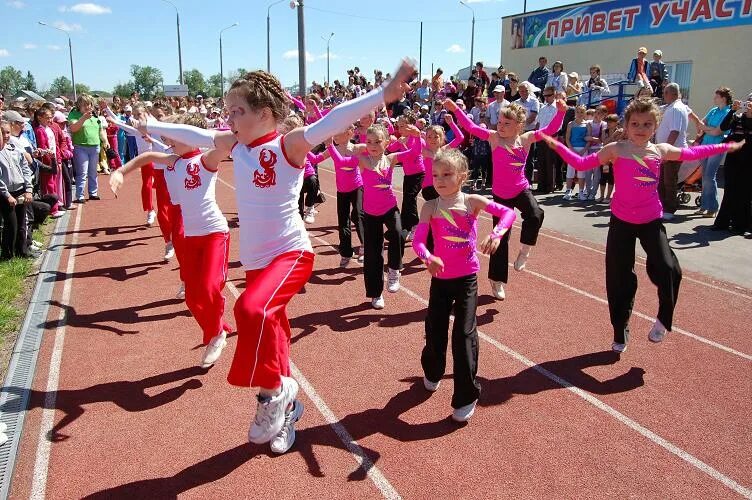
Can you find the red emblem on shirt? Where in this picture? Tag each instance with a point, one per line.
(267, 177)
(193, 180)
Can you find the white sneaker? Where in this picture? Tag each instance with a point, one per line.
(522, 257)
(431, 386)
(308, 216)
(57, 214)
(151, 216)
(181, 292)
(658, 332)
(410, 235)
(270, 413)
(344, 261)
(361, 255)
(286, 437)
(392, 281)
(378, 302)
(668, 216)
(35, 246)
(582, 196)
(169, 251)
(214, 350)
(568, 195)
(497, 290)
(463, 414)
(617, 347)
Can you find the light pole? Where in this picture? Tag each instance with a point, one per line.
(70, 52)
(180, 52)
(327, 55)
(472, 36)
(221, 64)
(268, 29)
(301, 46)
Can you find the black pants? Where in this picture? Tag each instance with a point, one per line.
(735, 208)
(530, 162)
(349, 208)
(410, 190)
(67, 170)
(532, 220)
(621, 280)
(429, 193)
(668, 187)
(308, 193)
(460, 297)
(547, 178)
(373, 260)
(14, 228)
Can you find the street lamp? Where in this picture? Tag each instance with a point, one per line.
(327, 55)
(221, 65)
(301, 45)
(472, 36)
(70, 52)
(180, 52)
(268, 24)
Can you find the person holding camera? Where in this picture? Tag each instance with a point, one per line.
(85, 127)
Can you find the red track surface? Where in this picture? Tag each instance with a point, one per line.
(136, 418)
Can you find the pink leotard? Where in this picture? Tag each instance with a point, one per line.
(428, 156)
(310, 161)
(378, 196)
(346, 171)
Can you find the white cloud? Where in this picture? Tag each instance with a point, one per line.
(53, 47)
(66, 27)
(455, 49)
(16, 4)
(4, 53)
(29, 46)
(293, 54)
(90, 9)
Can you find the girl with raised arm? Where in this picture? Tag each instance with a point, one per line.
(274, 246)
(509, 186)
(636, 213)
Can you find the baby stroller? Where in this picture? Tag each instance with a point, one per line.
(690, 181)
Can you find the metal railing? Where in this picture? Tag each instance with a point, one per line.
(621, 96)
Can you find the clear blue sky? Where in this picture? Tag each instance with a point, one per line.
(110, 35)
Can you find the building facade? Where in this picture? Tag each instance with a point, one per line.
(705, 43)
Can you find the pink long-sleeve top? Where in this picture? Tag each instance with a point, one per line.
(310, 161)
(428, 155)
(455, 235)
(508, 161)
(378, 195)
(346, 171)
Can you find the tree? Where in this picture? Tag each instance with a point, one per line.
(82, 89)
(29, 83)
(124, 89)
(11, 80)
(234, 75)
(61, 86)
(146, 80)
(195, 81)
(214, 86)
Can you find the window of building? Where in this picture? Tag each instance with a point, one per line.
(681, 73)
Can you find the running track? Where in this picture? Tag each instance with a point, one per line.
(129, 415)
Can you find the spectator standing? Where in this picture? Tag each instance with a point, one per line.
(596, 87)
(672, 130)
(556, 79)
(540, 75)
(736, 207)
(495, 107)
(437, 82)
(424, 92)
(513, 92)
(471, 92)
(712, 134)
(546, 156)
(531, 104)
(482, 77)
(15, 186)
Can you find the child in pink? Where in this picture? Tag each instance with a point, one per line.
(453, 221)
(636, 212)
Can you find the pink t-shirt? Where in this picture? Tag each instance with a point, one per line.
(412, 163)
(636, 197)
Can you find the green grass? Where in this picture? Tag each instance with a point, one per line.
(14, 274)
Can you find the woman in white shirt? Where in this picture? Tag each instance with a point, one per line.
(558, 79)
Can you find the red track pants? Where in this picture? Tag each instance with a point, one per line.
(147, 183)
(163, 205)
(262, 355)
(177, 236)
(205, 259)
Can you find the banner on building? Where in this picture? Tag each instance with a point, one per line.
(621, 18)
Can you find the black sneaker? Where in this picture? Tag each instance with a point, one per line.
(80, 200)
(94, 197)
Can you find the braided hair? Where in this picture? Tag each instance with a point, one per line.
(263, 90)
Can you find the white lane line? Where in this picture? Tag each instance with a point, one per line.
(44, 445)
(676, 329)
(639, 261)
(360, 456)
(613, 412)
